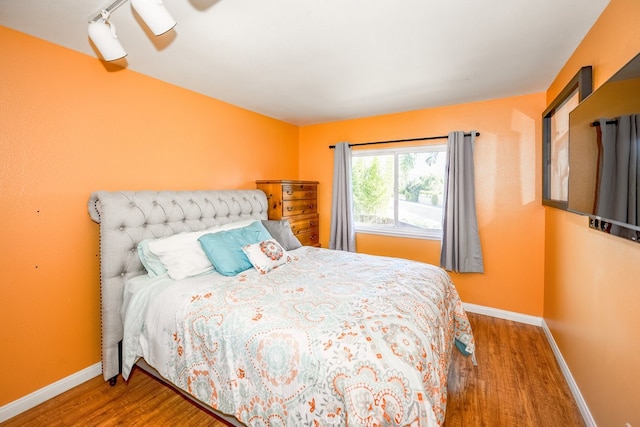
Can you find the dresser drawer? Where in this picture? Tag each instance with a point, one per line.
(310, 238)
(304, 223)
(298, 207)
(299, 191)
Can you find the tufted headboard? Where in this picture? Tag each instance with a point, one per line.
(128, 217)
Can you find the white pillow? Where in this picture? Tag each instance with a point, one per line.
(266, 255)
(182, 255)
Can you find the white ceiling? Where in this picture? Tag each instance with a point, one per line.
(315, 61)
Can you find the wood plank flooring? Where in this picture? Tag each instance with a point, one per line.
(517, 383)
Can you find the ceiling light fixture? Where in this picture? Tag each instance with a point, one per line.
(155, 15)
(103, 33)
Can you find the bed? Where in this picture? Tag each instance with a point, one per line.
(316, 337)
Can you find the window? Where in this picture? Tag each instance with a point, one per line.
(399, 191)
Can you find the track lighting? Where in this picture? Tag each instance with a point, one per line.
(103, 33)
(155, 15)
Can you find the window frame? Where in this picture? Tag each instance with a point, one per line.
(427, 234)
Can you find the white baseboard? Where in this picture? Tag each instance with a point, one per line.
(582, 404)
(539, 321)
(29, 401)
(503, 314)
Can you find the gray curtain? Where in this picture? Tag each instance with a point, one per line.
(620, 170)
(342, 235)
(461, 251)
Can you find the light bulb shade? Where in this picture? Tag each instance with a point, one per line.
(155, 15)
(103, 35)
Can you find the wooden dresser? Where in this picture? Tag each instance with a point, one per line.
(296, 201)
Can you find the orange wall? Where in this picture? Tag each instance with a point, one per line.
(508, 181)
(592, 286)
(67, 128)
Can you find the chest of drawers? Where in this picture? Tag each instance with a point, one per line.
(296, 201)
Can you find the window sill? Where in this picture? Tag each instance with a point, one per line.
(398, 233)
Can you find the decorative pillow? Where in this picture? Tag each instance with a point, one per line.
(281, 231)
(181, 254)
(224, 249)
(266, 255)
(149, 260)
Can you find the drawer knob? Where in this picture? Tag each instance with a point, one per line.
(290, 208)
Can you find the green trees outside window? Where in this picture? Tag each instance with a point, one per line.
(399, 191)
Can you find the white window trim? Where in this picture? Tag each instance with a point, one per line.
(425, 234)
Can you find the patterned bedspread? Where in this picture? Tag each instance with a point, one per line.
(333, 338)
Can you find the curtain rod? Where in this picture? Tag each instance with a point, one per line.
(402, 140)
(609, 122)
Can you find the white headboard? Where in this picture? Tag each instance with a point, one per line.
(128, 217)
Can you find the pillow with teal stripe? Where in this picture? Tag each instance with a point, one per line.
(149, 260)
(224, 249)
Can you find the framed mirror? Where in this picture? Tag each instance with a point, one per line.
(555, 139)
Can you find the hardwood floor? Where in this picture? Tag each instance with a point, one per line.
(517, 383)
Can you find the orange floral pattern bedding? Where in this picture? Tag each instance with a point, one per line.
(332, 338)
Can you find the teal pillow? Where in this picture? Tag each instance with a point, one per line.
(224, 249)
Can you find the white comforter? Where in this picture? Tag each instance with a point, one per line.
(329, 339)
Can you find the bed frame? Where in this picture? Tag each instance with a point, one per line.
(128, 217)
